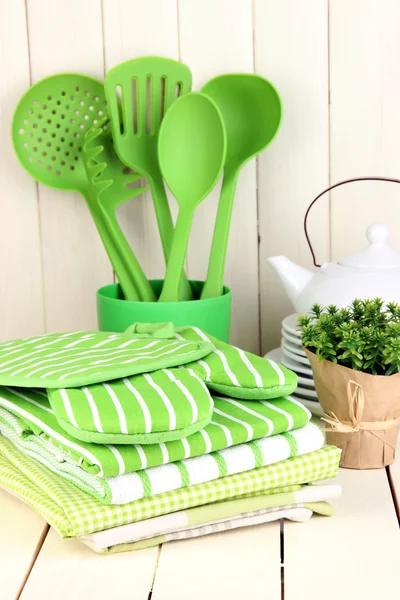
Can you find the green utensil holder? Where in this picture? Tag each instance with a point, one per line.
(213, 315)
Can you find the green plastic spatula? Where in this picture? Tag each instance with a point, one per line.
(191, 151)
(251, 110)
(111, 180)
(48, 130)
(139, 93)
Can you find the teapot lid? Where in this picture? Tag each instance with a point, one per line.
(378, 254)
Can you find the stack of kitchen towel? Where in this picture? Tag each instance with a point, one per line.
(130, 440)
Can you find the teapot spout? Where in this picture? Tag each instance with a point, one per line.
(293, 277)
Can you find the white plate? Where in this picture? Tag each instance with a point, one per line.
(276, 355)
(296, 366)
(290, 324)
(301, 359)
(314, 407)
(306, 382)
(293, 339)
(298, 350)
(306, 393)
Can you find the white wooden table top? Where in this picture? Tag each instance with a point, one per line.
(355, 554)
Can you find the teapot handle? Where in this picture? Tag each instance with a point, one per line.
(328, 190)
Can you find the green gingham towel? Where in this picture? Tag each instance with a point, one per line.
(202, 520)
(72, 512)
(233, 422)
(62, 360)
(148, 482)
(231, 371)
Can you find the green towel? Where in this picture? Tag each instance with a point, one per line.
(72, 512)
(233, 422)
(148, 482)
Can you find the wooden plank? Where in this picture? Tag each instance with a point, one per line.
(354, 553)
(133, 28)
(67, 37)
(21, 286)
(244, 563)
(291, 49)
(21, 533)
(365, 122)
(67, 569)
(217, 38)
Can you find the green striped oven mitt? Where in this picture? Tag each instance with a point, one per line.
(127, 388)
(115, 388)
(233, 372)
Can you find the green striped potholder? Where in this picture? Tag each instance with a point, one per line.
(231, 371)
(64, 360)
(160, 406)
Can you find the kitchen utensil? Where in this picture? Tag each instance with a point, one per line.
(285, 345)
(110, 179)
(191, 151)
(251, 110)
(147, 88)
(48, 129)
(373, 272)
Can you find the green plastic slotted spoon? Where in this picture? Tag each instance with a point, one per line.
(191, 151)
(110, 178)
(48, 129)
(147, 87)
(251, 109)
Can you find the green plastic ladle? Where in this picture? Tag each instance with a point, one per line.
(191, 153)
(251, 110)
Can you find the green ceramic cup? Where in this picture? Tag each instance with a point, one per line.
(213, 315)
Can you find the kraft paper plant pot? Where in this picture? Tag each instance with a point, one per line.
(362, 412)
(213, 315)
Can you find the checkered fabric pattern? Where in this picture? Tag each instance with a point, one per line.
(72, 512)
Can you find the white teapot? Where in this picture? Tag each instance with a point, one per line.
(373, 272)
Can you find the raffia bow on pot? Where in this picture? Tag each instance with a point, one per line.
(363, 412)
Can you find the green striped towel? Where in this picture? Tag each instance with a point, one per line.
(72, 512)
(165, 405)
(233, 422)
(61, 360)
(231, 371)
(155, 480)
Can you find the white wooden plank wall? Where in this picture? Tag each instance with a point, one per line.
(51, 258)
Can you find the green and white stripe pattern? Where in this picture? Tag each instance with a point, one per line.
(231, 371)
(164, 405)
(233, 422)
(148, 482)
(72, 512)
(81, 358)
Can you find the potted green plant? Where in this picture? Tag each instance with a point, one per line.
(355, 357)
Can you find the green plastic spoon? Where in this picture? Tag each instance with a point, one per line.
(251, 110)
(191, 153)
(139, 93)
(48, 129)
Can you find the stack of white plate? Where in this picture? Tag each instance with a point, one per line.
(291, 355)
